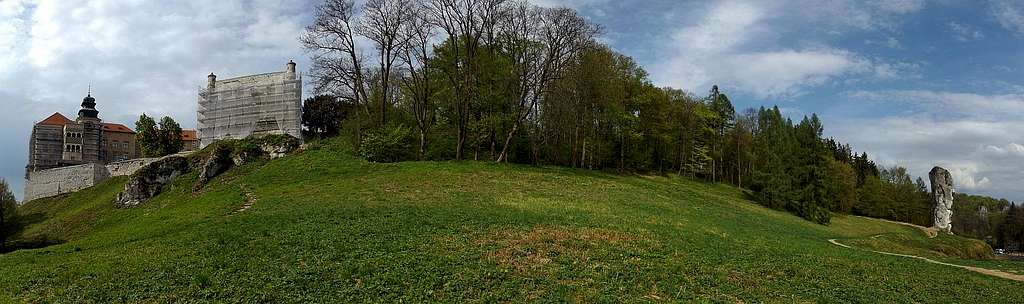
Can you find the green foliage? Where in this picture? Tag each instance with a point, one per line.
(148, 137)
(323, 115)
(158, 140)
(390, 144)
(8, 212)
(842, 186)
(170, 136)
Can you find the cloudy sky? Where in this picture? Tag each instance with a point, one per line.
(915, 83)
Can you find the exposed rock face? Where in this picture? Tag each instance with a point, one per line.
(218, 162)
(942, 199)
(147, 182)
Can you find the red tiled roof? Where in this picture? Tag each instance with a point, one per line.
(113, 127)
(188, 135)
(55, 120)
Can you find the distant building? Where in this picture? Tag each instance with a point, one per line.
(236, 108)
(119, 142)
(190, 140)
(58, 141)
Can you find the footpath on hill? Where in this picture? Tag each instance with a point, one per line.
(931, 232)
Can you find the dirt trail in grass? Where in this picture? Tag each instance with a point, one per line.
(994, 273)
(250, 199)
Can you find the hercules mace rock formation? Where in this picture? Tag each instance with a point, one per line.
(942, 198)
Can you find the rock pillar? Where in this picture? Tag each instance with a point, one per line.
(942, 199)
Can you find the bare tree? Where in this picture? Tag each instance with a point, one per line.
(383, 23)
(416, 53)
(338, 66)
(467, 24)
(541, 43)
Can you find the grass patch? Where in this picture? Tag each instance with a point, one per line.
(328, 227)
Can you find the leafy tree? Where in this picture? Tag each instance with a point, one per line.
(147, 136)
(842, 186)
(170, 136)
(8, 208)
(322, 115)
(158, 140)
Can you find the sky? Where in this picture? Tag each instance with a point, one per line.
(914, 83)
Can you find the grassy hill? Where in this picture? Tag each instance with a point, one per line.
(325, 226)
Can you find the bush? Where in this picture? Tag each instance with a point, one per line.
(387, 145)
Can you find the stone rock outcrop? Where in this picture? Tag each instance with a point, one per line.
(218, 162)
(265, 147)
(942, 199)
(222, 156)
(147, 182)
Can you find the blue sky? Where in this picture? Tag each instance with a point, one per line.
(913, 82)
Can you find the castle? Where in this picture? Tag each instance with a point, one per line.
(60, 142)
(69, 155)
(235, 108)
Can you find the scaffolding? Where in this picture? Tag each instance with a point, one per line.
(236, 108)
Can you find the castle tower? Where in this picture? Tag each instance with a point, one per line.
(88, 111)
(290, 70)
(234, 108)
(211, 82)
(85, 137)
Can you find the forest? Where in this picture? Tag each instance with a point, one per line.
(512, 82)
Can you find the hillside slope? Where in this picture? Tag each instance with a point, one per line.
(325, 226)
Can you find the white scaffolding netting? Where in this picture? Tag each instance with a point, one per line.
(258, 104)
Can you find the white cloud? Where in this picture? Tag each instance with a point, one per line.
(1009, 14)
(577, 4)
(736, 44)
(965, 33)
(976, 137)
(952, 104)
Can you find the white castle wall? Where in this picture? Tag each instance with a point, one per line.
(127, 167)
(58, 181)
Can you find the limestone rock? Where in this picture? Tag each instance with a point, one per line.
(147, 182)
(219, 161)
(942, 199)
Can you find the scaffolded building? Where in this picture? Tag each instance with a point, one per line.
(236, 108)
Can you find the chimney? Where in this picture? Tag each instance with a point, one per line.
(291, 69)
(211, 81)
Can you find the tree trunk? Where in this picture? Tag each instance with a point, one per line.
(423, 143)
(508, 141)
(460, 145)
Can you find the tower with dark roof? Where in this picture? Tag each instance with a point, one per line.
(88, 111)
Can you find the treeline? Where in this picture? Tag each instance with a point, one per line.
(508, 81)
(997, 221)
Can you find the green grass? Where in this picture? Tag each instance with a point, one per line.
(327, 227)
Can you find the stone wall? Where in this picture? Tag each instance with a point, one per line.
(52, 182)
(58, 181)
(125, 168)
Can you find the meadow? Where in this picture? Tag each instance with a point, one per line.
(325, 226)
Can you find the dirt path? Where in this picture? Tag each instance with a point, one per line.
(250, 199)
(995, 273)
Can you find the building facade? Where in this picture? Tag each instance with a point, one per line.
(60, 142)
(119, 143)
(236, 108)
(189, 140)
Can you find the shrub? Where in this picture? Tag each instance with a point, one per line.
(386, 145)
